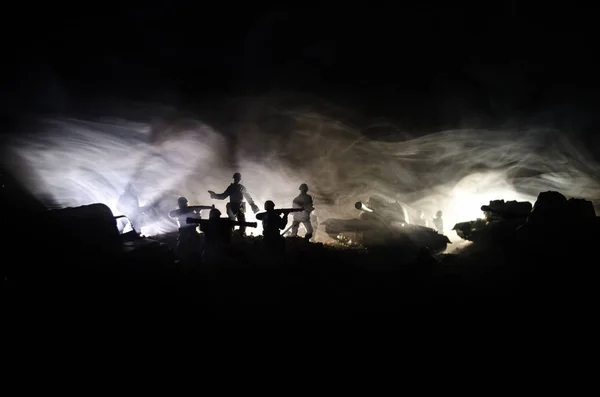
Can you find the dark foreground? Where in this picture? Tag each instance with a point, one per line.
(311, 278)
(76, 263)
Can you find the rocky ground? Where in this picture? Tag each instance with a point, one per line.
(546, 260)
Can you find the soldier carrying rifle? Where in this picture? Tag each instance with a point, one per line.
(217, 232)
(189, 242)
(274, 221)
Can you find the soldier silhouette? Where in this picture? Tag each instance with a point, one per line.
(304, 201)
(217, 232)
(421, 221)
(438, 222)
(189, 242)
(236, 206)
(273, 223)
(129, 204)
(183, 212)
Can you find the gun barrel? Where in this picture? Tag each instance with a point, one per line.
(201, 207)
(179, 211)
(359, 205)
(284, 210)
(233, 223)
(245, 224)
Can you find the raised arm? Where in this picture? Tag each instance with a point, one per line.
(221, 196)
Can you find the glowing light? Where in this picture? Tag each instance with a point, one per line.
(79, 162)
(464, 201)
(256, 231)
(150, 230)
(457, 246)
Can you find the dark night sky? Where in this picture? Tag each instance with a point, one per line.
(493, 60)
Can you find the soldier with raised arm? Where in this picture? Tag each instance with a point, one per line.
(236, 206)
(305, 202)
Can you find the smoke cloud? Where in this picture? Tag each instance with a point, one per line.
(277, 146)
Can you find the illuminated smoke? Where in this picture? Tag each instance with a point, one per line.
(277, 146)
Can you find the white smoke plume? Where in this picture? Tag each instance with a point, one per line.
(277, 145)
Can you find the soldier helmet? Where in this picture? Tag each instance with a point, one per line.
(214, 213)
(237, 176)
(303, 187)
(182, 201)
(269, 205)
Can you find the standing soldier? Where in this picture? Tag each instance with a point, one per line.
(217, 232)
(273, 222)
(189, 242)
(305, 202)
(128, 204)
(438, 222)
(421, 221)
(236, 206)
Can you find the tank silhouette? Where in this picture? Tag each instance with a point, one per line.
(89, 233)
(552, 216)
(49, 240)
(500, 220)
(383, 223)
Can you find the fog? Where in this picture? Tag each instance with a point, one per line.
(277, 146)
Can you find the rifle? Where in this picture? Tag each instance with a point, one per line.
(280, 211)
(287, 211)
(207, 221)
(177, 212)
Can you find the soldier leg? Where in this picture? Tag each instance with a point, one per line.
(309, 229)
(178, 246)
(242, 218)
(295, 225)
(201, 244)
(281, 246)
(189, 247)
(230, 212)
